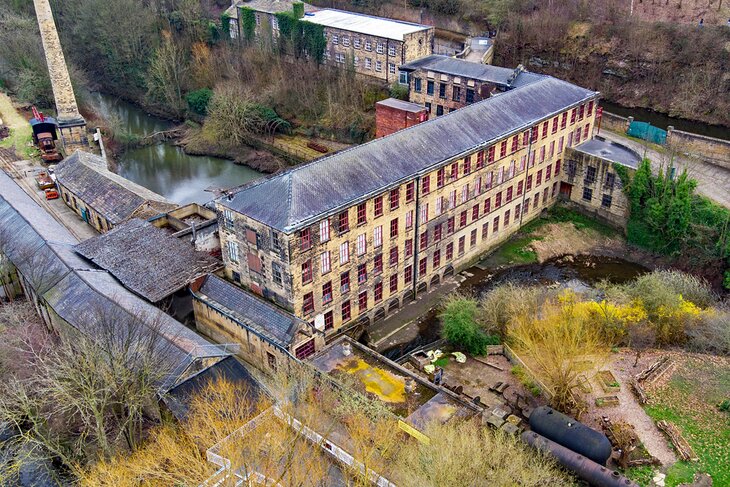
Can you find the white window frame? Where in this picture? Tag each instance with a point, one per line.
(233, 251)
(391, 68)
(439, 202)
(452, 199)
(335, 39)
(379, 67)
(368, 63)
(346, 41)
(357, 43)
(325, 262)
(409, 219)
(391, 51)
(368, 45)
(424, 213)
(379, 48)
(324, 230)
(362, 244)
(378, 236)
(344, 253)
(464, 193)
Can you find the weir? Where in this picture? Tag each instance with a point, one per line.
(71, 124)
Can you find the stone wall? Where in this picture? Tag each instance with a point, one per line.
(614, 123)
(715, 151)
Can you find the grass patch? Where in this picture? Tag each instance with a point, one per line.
(689, 400)
(517, 251)
(641, 475)
(525, 380)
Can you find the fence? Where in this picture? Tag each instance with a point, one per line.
(648, 132)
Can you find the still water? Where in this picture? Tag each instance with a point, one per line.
(165, 168)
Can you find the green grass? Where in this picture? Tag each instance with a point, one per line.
(517, 251)
(641, 475)
(689, 400)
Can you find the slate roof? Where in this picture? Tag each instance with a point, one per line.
(364, 24)
(610, 151)
(300, 196)
(111, 195)
(467, 69)
(179, 397)
(147, 260)
(271, 323)
(43, 251)
(401, 105)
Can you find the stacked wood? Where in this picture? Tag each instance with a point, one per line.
(656, 371)
(318, 147)
(639, 391)
(680, 444)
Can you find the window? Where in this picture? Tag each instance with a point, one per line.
(506, 217)
(587, 194)
(345, 282)
(339, 57)
(449, 251)
(542, 153)
(403, 78)
(490, 177)
(325, 264)
(487, 205)
(437, 233)
(572, 116)
(440, 175)
(276, 273)
(436, 259)
(469, 95)
(498, 200)
(606, 201)
(563, 120)
(581, 110)
(329, 321)
(357, 42)
(301, 352)
(422, 267)
(520, 185)
(378, 292)
(305, 238)
(515, 143)
(456, 95)
(346, 41)
(227, 215)
(232, 251)
(378, 207)
(391, 51)
(393, 259)
(429, 87)
(424, 213)
(408, 274)
(368, 45)
(426, 184)
(610, 180)
(324, 231)
(394, 196)
(408, 248)
(362, 244)
(362, 301)
(393, 228)
(478, 186)
(485, 230)
(590, 175)
(308, 304)
(551, 152)
(343, 220)
(557, 167)
(517, 211)
(495, 225)
(548, 172)
(500, 175)
(508, 197)
(555, 125)
(473, 238)
(467, 165)
(450, 226)
(452, 199)
(327, 293)
(545, 195)
(307, 271)
(423, 241)
(464, 193)
(454, 170)
(555, 188)
(379, 48)
(344, 252)
(589, 111)
(537, 200)
(393, 283)
(538, 178)
(439, 110)
(417, 85)
(503, 148)
(475, 213)
(378, 236)
(529, 182)
(378, 66)
(409, 219)
(462, 245)
(560, 144)
(346, 311)
(368, 62)
(362, 273)
(533, 134)
(391, 68)
(480, 159)
(544, 129)
(586, 130)
(335, 39)
(378, 264)
(462, 219)
(410, 191)
(361, 213)
(511, 170)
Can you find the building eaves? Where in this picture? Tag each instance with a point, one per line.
(337, 181)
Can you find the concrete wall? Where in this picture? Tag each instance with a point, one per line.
(594, 188)
(614, 123)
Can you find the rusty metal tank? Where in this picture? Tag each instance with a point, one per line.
(593, 473)
(571, 434)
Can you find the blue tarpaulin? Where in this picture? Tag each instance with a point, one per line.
(646, 131)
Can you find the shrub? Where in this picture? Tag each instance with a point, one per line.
(507, 301)
(399, 91)
(459, 319)
(198, 100)
(711, 334)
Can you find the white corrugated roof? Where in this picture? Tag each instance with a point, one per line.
(363, 24)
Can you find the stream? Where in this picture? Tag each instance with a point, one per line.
(579, 273)
(165, 168)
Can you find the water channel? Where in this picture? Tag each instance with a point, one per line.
(663, 121)
(579, 273)
(165, 168)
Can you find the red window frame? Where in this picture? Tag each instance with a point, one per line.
(329, 320)
(449, 251)
(410, 191)
(378, 264)
(307, 271)
(408, 248)
(529, 182)
(467, 165)
(508, 197)
(495, 224)
(462, 219)
(520, 185)
(345, 282)
(343, 220)
(308, 303)
(362, 213)
(426, 184)
(480, 159)
(555, 124)
(485, 230)
(462, 244)
(490, 154)
(305, 236)
(394, 198)
(475, 213)
(564, 120)
(378, 292)
(362, 301)
(327, 292)
(394, 228)
(515, 143)
(440, 177)
(450, 226)
(437, 233)
(545, 129)
(422, 267)
(346, 311)
(436, 259)
(378, 206)
(423, 241)
(393, 259)
(538, 178)
(498, 200)
(408, 274)
(393, 283)
(503, 149)
(473, 238)
(362, 273)
(455, 170)
(487, 205)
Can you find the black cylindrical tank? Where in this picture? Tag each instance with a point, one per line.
(586, 469)
(570, 433)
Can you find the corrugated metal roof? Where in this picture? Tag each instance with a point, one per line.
(147, 260)
(111, 195)
(482, 72)
(299, 196)
(275, 324)
(364, 24)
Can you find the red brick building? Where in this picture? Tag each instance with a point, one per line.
(392, 115)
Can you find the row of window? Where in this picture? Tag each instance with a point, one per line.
(358, 43)
(367, 62)
(422, 270)
(455, 94)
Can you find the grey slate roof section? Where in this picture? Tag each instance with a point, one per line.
(401, 105)
(302, 195)
(147, 260)
(277, 326)
(467, 69)
(70, 285)
(113, 196)
(610, 151)
(268, 6)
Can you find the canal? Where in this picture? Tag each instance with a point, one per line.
(663, 121)
(165, 168)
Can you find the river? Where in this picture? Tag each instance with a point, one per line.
(165, 168)
(663, 121)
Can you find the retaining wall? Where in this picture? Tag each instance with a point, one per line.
(714, 151)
